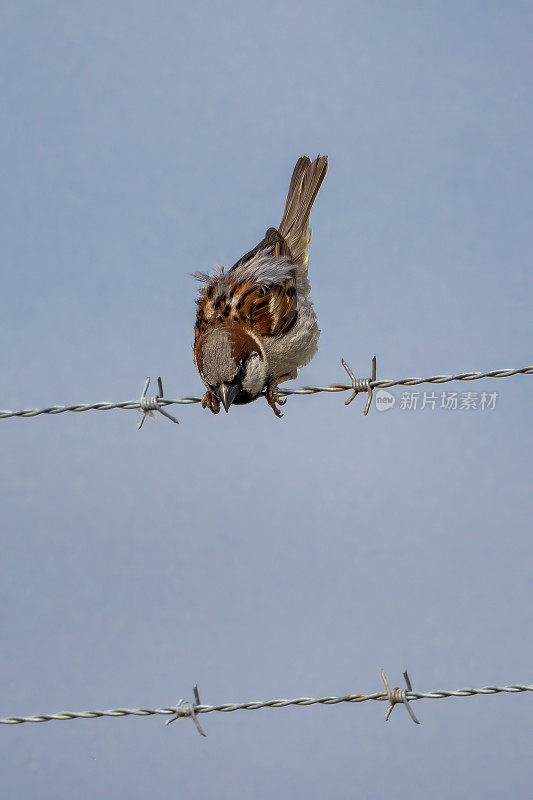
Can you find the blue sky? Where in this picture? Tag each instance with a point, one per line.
(256, 557)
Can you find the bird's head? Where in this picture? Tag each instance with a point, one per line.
(231, 363)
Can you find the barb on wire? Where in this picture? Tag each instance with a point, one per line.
(398, 695)
(361, 384)
(189, 710)
(148, 404)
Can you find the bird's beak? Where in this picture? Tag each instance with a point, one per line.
(227, 394)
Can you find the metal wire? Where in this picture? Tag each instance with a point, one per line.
(336, 387)
(181, 709)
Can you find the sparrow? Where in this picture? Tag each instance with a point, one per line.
(255, 323)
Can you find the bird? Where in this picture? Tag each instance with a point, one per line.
(255, 324)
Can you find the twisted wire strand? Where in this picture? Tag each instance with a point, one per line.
(256, 705)
(335, 387)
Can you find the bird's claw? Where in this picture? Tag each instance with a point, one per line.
(273, 399)
(211, 401)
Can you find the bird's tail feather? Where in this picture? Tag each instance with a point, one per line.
(306, 180)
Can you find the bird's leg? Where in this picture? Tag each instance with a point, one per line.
(273, 398)
(211, 401)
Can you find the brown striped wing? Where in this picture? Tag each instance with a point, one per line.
(267, 310)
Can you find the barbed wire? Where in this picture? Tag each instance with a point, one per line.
(185, 709)
(148, 405)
